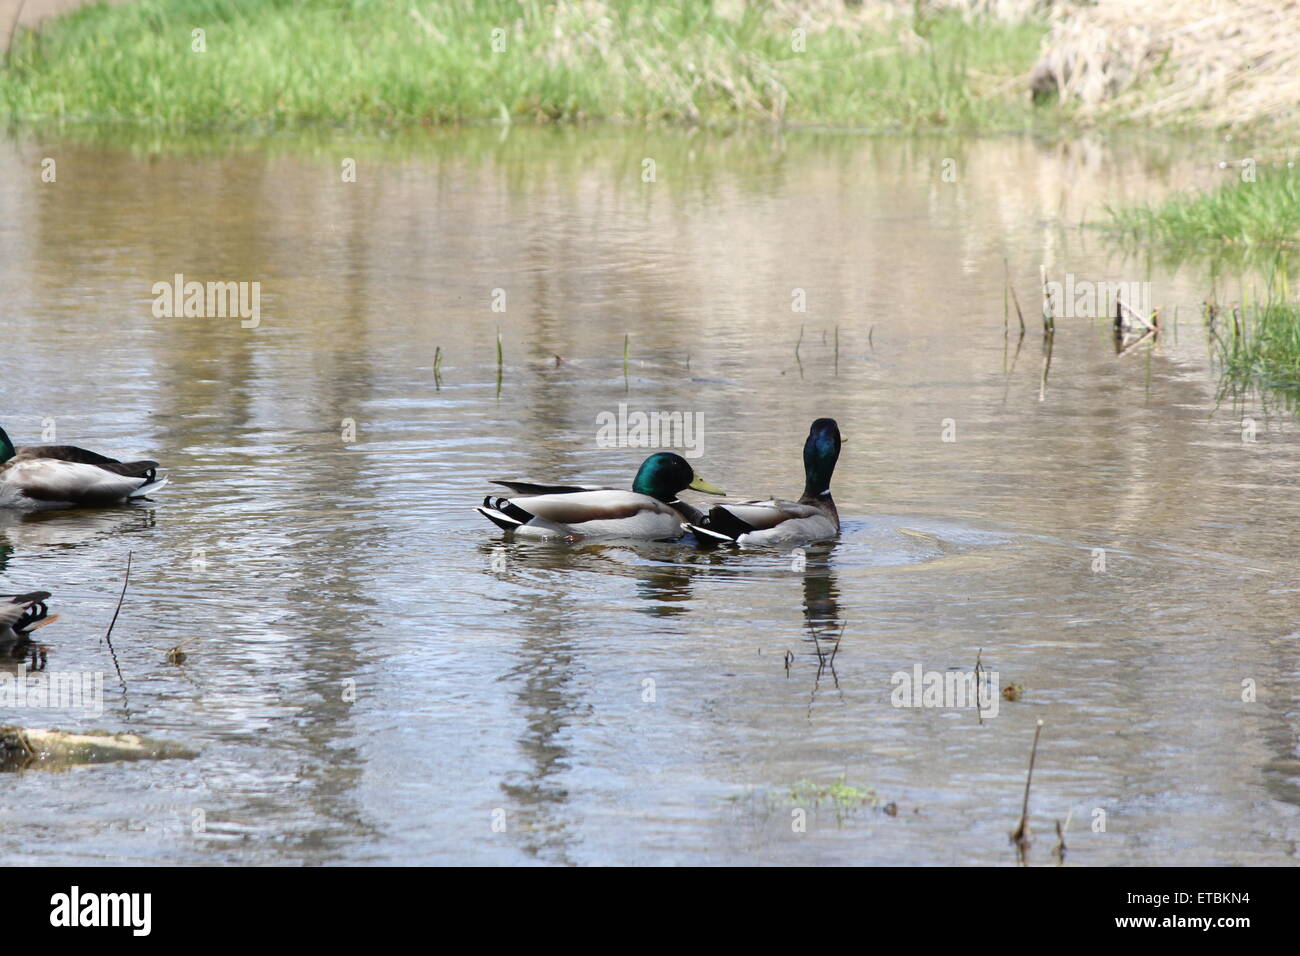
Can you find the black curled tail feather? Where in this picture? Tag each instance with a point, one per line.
(508, 508)
(35, 611)
(719, 521)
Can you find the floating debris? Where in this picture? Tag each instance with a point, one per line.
(24, 747)
(178, 656)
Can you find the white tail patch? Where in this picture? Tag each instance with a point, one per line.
(493, 515)
(150, 486)
(705, 531)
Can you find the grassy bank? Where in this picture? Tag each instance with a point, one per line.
(274, 63)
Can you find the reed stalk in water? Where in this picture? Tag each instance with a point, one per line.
(500, 362)
(1020, 835)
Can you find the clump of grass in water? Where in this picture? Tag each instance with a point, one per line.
(841, 796)
(1261, 349)
(274, 63)
(1257, 347)
(1265, 213)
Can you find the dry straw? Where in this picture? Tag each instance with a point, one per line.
(1203, 62)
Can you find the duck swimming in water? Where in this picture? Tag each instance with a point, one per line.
(651, 510)
(40, 477)
(777, 522)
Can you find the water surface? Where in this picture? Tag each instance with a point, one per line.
(507, 681)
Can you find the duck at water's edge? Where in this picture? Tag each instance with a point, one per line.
(780, 523)
(651, 510)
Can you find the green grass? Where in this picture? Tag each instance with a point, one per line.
(839, 794)
(276, 63)
(1260, 349)
(1249, 225)
(1262, 213)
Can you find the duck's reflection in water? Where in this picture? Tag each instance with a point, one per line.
(549, 667)
(823, 626)
(72, 527)
(545, 669)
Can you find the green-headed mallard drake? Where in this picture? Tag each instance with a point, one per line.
(779, 523)
(37, 477)
(650, 510)
(20, 614)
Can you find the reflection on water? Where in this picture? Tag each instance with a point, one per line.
(379, 676)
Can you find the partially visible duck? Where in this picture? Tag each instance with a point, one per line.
(780, 523)
(39, 477)
(20, 614)
(651, 510)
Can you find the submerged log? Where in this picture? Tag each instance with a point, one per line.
(23, 747)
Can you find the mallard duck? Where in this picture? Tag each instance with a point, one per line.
(650, 510)
(20, 614)
(37, 477)
(780, 523)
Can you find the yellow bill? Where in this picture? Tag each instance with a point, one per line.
(699, 484)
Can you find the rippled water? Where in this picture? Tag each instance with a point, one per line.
(506, 682)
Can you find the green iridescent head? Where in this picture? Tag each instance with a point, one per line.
(664, 474)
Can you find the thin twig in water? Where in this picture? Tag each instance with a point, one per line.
(1060, 837)
(836, 649)
(1147, 323)
(1049, 312)
(107, 638)
(823, 663)
(500, 361)
(1020, 836)
(1014, 298)
(121, 597)
(1126, 349)
(1048, 339)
